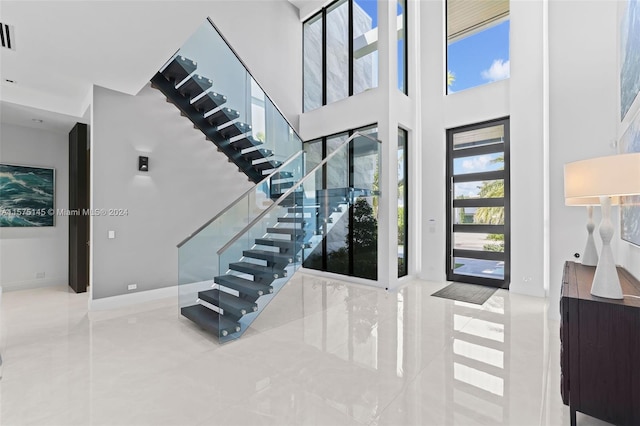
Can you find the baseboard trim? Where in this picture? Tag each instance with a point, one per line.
(124, 300)
(31, 284)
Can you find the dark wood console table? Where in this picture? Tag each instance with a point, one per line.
(600, 348)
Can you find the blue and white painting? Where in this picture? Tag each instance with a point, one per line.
(26, 196)
(630, 56)
(630, 206)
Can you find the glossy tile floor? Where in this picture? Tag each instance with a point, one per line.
(323, 353)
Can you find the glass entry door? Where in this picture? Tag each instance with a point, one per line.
(478, 237)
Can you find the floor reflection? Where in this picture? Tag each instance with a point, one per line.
(354, 321)
(324, 351)
(479, 387)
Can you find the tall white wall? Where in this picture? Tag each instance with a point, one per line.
(583, 115)
(188, 183)
(25, 252)
(520, 98)
(267, 35)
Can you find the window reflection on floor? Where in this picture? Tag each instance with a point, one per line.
(351, 322)
(480, 383)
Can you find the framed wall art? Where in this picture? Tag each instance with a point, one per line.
(27, 196)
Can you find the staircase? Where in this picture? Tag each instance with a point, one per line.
(234, 299)
(189, 91)
(232, 266)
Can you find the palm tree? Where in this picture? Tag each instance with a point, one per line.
(491, 189)
(492, 215)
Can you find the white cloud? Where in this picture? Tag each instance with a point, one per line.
(499, 70)
(476, 164)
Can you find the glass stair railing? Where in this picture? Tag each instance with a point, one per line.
(233, 266)
(211, 86)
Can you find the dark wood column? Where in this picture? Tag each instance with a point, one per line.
(78, 202)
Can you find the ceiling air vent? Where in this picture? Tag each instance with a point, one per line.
(7, 36)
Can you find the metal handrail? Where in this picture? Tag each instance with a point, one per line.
(292, 189)
(240, 198)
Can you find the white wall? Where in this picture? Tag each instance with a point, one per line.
(522, 98)
(24, 252)
(188, 183)
(628, 254)
(267, 35)
(583, 107)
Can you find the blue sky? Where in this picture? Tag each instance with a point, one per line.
(371, 7)
(480, 58)
(475, 60)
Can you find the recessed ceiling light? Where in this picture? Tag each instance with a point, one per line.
(37, 120)
(8, 80)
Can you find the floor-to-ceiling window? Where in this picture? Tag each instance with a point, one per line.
(346, 189)
(477, 43)
(403, 203)
(478, 239)
(403, 50)
(313, 62)
(341, 51)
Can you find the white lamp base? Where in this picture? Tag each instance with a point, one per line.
(606, 282)
(590, 256)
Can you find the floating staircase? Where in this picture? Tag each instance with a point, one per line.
(234, 297)
(193, 95)
(233, 265)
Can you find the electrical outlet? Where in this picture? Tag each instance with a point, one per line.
(132, 286)
(39, 275)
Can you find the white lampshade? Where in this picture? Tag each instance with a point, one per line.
(604, 179)
(603, 176)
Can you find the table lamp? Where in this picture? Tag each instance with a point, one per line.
(590, 254)
(603, 178)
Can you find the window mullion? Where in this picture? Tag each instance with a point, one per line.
(350, 47)
(324, 56)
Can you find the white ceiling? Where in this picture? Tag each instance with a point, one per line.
(64, 47)
(24, 116)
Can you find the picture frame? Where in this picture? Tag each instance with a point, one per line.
(27, 196)
(630, 205)
(629, 56)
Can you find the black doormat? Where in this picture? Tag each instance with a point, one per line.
(470, 293)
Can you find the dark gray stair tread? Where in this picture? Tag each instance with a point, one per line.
(282, 175)
(253, 269)
(288, 231)
(272, 242)
(228, 302)
(179, 68)
(292, 220)
(267, 165)
(269, 256)
(246, 142)
(257, 153)
(242, 285)
(195, 85)
(299, 209)
(281, 187)
(210, 320)
(235, 129)
(295, 198)
(209, 101)
(223, 115)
